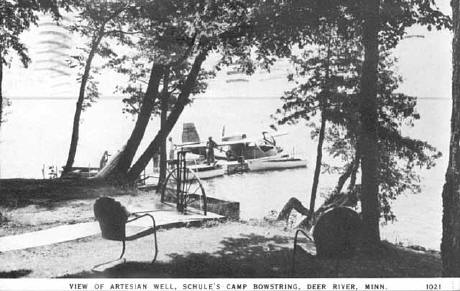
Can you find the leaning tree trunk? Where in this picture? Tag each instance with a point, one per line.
(97, 38)
(319, 151)
(292, 204)
(368, 123)
(337, 199)
(319, 159)
(450, 246)
(79, 106)
(163, 117)
(344, 177)
(182, 100)
(117, 169)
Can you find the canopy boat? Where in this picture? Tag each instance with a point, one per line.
(197, 163)
(260, 154)
(238, 153)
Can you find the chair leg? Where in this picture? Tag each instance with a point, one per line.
(123, 250)
(94, 269)
(156, 244)
(154, 227)
(293, 256)
(299, 231)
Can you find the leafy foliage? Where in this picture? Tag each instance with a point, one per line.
(171, 33)
(78, 61)
(327, 77)
(15, 18)
(94, 22)
(138, 82)
(18, 16)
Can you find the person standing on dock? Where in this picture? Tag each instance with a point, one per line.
(104, 160)
(171, 147)
(210, 145)
(156, 161)
(269, 140)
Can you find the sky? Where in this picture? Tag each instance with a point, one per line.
(424, 64)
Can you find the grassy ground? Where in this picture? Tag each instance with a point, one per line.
(232, 249)
(16, 193)
(30, 205)
(222, 250)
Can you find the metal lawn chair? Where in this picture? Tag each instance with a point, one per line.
(113, 219)
(335, 235)
(296, 247)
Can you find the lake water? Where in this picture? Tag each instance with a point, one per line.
(37, 134)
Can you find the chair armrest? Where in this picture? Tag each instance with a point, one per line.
(137, 216)
(302, 232)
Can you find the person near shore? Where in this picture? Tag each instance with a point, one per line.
(210, 145)
(171, 147)
(104, 160)
(156, 161)
(270, 140)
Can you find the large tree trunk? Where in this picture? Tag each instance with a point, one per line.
(450, 246)
(368, 123)
(79, 106)
(1, 89)
(182, 100)
(164, 116)
(117, 169)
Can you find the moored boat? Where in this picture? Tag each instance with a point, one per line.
(275, 163)
(206, 171)
(237, 153)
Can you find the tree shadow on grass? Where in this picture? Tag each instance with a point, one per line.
(52, 193)
(246, 256)
(388, 260)
(15, 273)
(256, 256)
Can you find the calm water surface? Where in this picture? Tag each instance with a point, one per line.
(37, 134)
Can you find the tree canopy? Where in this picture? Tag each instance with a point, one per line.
(327, 81)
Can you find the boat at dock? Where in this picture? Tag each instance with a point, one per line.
(80, 172)
(236, 153)
(259, 154)
(206, 171)
(196, 160)
(275, 163)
